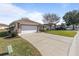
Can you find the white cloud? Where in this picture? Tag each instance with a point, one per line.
(9, 13)
(65, 6)
(36, 16)
(10, 9)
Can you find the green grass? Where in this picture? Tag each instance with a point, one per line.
(20, 46)
(62, 32)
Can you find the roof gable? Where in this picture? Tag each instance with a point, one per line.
(25, 21)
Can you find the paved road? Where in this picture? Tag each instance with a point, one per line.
(74, 50)
(48, 44)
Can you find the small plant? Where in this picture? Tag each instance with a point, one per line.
(11, 32)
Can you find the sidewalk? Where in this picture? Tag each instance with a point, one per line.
(74, 50)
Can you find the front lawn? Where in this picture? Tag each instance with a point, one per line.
(62, 32)
(20, 46)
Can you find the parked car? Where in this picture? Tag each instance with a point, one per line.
(60, 28)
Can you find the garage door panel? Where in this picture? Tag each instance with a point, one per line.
(29, 29)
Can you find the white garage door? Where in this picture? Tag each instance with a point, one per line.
(28, 29)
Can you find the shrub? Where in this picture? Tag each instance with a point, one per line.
(3, 34)
(14, 34)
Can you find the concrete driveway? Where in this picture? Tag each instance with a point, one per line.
(48, 44)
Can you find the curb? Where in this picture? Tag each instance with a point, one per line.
(72, 50)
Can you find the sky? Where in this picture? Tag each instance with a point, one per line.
(34, 11)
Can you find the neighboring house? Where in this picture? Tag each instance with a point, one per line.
(54, 27)
(46, 26)
(3, 26)
(25, 25)
(71, 27)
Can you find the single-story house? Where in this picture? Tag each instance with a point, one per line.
(25, 25)
(3, 26)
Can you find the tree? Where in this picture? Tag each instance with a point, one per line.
(50, 19)
(72, 18)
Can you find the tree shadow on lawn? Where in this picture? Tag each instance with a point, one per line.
(3, 54)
